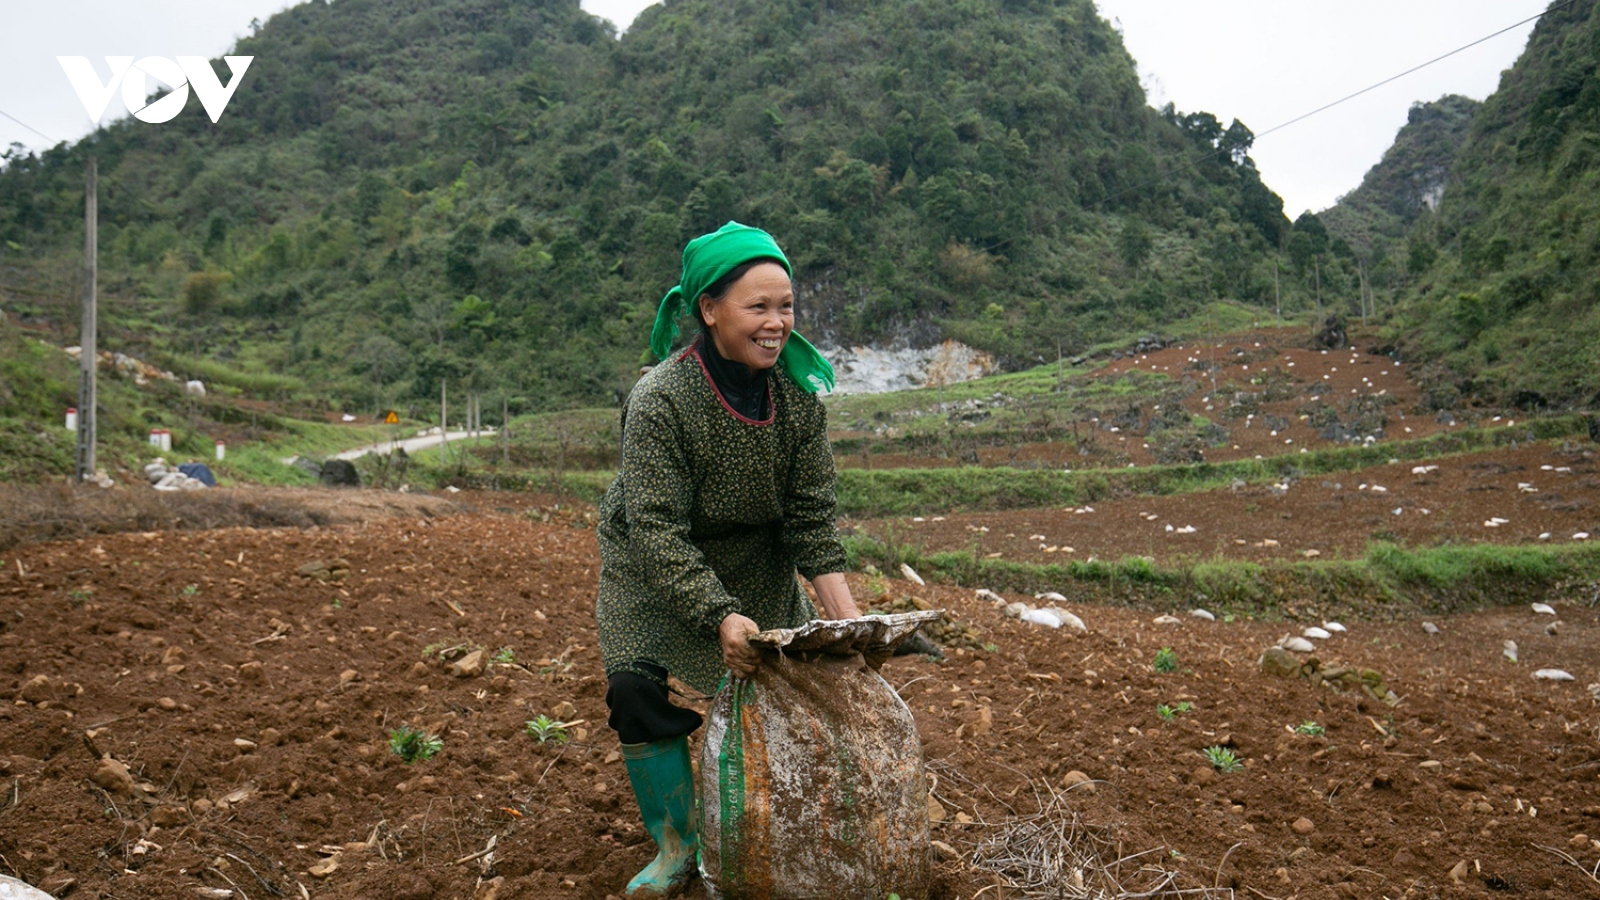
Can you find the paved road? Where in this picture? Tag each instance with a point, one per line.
(410, 445)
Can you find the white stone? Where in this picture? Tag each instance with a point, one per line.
(1203, 614)
(1334, 626)
(1297, 645)
(911, 574)
(1041, 617)
(1052, 596)
(1554, 675)
(1315, 633)
(1544, 609)
(1068, 620)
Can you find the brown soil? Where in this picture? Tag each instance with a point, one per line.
(163, 646)
(1337, 515)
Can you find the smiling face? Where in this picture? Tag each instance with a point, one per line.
(752, 321)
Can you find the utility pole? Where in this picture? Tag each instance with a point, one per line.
(444, 425)
(1277, 298)
(505, 431)
(88, 359)
(1361, 269)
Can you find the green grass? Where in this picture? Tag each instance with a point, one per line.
(261, 462)
(1388, 580)
(889, 492)
(265, 385)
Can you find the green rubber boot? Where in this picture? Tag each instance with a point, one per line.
(663, 783)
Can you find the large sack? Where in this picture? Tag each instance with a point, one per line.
(812, 782)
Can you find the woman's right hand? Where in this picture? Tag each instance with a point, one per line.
(734, 633)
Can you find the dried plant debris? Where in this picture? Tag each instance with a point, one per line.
(1054, 853)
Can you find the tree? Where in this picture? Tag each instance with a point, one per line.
(1134, 244)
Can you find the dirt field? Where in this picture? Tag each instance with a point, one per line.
(1332, 516)
(191, 717)
(251, 707)
(1525, 493)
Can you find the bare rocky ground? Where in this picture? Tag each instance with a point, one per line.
(189, 712)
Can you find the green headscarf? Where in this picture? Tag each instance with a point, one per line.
(708, 258)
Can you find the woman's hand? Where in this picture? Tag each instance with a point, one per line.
(734, 633)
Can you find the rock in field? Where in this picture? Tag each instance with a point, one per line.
(1077, 780)
(113, 775)
(325, 570)
(1280, 662)
(468, 666)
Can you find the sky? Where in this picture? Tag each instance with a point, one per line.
(1261, 61)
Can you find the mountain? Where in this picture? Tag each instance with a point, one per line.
(494, 193)
(1409, 180)
(1498, 286)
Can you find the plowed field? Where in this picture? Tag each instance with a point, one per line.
(190, 716)
(251, 707)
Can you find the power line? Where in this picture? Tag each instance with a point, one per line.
(1190, 162)
(29, 127)
(1415, 68)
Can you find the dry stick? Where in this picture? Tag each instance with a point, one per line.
(225, 877)
(425, 814)
(493, 840)
(108, 722)
(1593, 876)
(16, 795)
(1217, 881)
(271, 888)
(454, 828)
(176, 771)
(549, 767)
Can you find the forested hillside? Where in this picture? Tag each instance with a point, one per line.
(1500, 282)
(1409, 181)
(495, 192)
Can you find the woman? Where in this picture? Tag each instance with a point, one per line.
(725, 491)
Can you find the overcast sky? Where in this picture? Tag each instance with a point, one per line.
(1262, 61)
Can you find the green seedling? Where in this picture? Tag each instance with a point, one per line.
(505, 656)
(548, 730)
(189, 590)
(1309, 727)
(991, 647)
(412, 744)
(1169, 713)
(1165, 661)
(1222, 759)
(80, 596)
